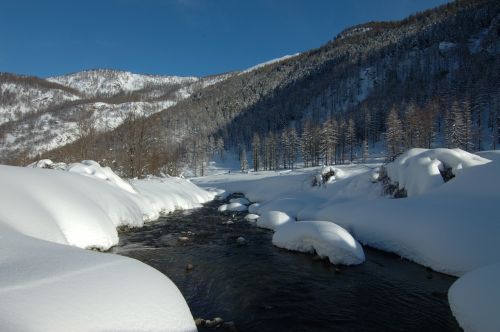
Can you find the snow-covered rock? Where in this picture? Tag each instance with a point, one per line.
(325, 238)
(241, 200)
(251, 217)
(273, 219)
(475, 299)
(235, 207)
(418, 170)
(253, 208)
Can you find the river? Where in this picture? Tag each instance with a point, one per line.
(263, 288)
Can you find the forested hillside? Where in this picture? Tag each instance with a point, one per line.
(430, 80)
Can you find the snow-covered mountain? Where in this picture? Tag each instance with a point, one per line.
(38, 115)
(92, 83)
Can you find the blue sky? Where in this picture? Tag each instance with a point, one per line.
(175, 37)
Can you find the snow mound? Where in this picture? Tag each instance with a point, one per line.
(326, 238)
(273, 219)
(235, 207)
(241, 200)
(419, 170)
(251, 217)
(46, 286)
(475, 299)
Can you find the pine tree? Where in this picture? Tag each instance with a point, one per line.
(455, 129)
(393, 134)
(365, 150)
(294, 147)
(220, 147)
(256, 152)
(350, 137)
(467, 122)
(243, 160)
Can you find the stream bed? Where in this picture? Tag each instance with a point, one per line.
(263, 288)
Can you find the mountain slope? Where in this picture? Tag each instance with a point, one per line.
(38, 115)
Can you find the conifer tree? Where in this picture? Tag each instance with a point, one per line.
(393, 134)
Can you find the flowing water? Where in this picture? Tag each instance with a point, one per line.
(263, 288)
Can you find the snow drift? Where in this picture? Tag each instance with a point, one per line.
(47, 284)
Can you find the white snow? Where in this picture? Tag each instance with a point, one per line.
(93, 169)
(418, 170)
(48, 284)
(263, 64)
(241, 200)
(110, 82)
(325, 238)
(237, 207)
(475, 299)
(251, 217)
(273, 219)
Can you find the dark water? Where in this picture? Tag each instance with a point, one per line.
(264, 288)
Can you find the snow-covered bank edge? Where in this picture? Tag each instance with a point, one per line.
(48, 283)
(475, 299)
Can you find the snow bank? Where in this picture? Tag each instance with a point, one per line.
(273, 219)
(83, 206)
(475, 299)
(326, 238)
(48, 285)
(419, 170)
